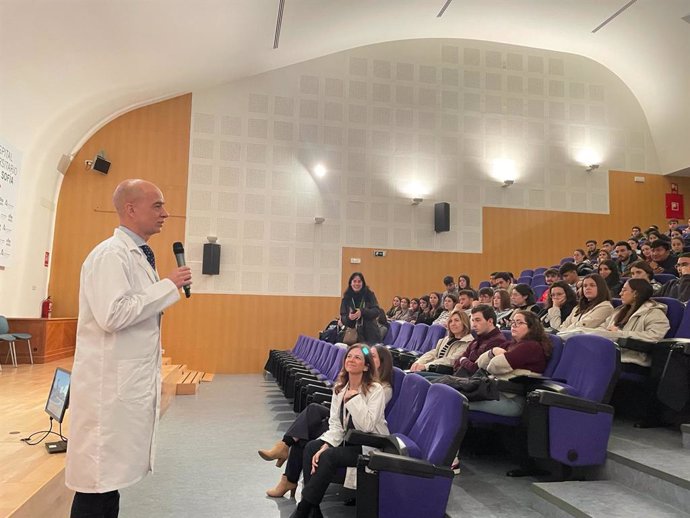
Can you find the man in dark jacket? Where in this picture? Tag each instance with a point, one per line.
(679, 288)
(483, 322)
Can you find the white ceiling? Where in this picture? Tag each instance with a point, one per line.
(66, 66)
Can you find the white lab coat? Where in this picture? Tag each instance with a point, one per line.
(116, 381)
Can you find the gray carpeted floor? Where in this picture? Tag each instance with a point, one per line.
(207, 465)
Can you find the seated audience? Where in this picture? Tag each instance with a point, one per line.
(625, 257)
(414, 310)
(636, 233)
(635, 247)
(521, 298)
(395, 308)
(676, 233)
(646, 252)
(526, 354)
(450, 285)
(450, 347)
(602, 256)
(638, 317)
(426, 315)
(492, 279)
(609, 271)
(642, 270)
(672, 227)
(662, 260)
(404, 309)
(359, 308)
(568, 273)
(464, 282)
(504, 281)
(501, 304)
(466, 300)
(592, 250)
(560, 303)
(483, 323)
(311, 423)
(358, 403)
(677, 246)
(584, 266)
(593, 308)
(485, 296)
(550, 276)
(609, 245)
(679, 288)
(449, 302)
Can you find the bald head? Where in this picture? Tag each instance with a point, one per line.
(139, 204)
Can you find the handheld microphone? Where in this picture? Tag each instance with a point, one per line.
(178, 250)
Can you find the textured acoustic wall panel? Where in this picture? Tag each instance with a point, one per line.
(389, 122)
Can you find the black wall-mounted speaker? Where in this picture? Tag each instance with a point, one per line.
(101, 165)
(442, 217)
(211, 262)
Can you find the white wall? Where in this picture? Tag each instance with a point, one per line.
(390, 122)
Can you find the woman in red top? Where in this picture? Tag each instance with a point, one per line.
(526, 354)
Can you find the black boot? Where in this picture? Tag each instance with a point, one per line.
(306, 510)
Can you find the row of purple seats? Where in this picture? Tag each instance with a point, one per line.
(306, 383)
(413, 340)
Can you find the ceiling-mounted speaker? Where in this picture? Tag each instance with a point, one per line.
(100, 164)
(63, 164)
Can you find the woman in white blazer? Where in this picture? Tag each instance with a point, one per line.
(358, 403)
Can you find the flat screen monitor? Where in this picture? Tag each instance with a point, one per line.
(58, 399)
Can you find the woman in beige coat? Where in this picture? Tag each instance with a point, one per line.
(638, 317)
(450, 347)
(592, 310)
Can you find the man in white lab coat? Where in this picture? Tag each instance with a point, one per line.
(116, 382)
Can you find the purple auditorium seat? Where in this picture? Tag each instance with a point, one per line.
(539, 290)
(484, 284)
(684, 327)
(572, 427)
(567, 260)
(321, 364)
(527, 273)
(396, 382)
(417, 338)
(308, 383)
(674, 312)
(433, 334)
(616, 302)
(540, 270)
(663, 278)
(525, 280)
(404, 335)
(538, 279)
(393, 330)
(413, 476)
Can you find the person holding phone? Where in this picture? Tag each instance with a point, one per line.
(359, 309)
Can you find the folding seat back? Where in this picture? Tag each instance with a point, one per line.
(556, 353)
(404, 335)
(567, 260)
(336, 364)
(393, 330)
(663, 278)
(674, 312)
(403, 414)
(616, 302)
(416, 481)
(539, 271)
(684, 327)
(433, 335)
(417, 338)
(589, 367)
(538, 279)
(396, 382)
(539, 290)
(484, 284)
(326, 361)
(527, 273)
(525, 280)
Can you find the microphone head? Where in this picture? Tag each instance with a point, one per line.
(178, 248)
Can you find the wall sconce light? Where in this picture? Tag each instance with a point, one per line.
(417, 201)
(508, 183)
(320, 170)
(592, 167)
(319, 220)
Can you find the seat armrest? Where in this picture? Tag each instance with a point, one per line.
(549, 386)
(564, 401)
(379, 461)
(321, 398)
(441, 369)
(635, 344)
(387, 443)
(318, 389)
(679, 344)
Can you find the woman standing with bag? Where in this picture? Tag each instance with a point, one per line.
(359, 311)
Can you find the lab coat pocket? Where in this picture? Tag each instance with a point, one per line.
(133, 379)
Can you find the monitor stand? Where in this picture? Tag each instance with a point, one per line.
(56, 447)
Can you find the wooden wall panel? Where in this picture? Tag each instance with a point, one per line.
(232, 333)
(150, 143)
